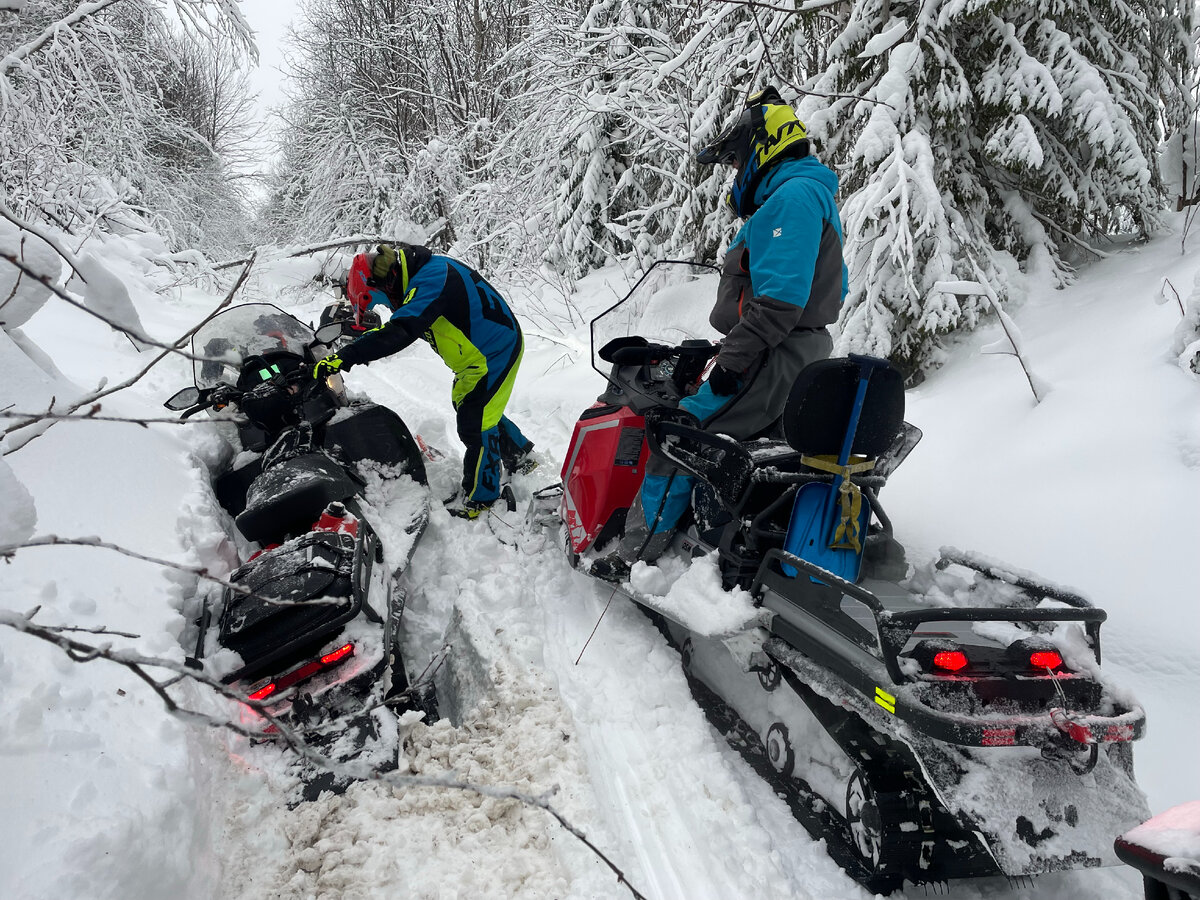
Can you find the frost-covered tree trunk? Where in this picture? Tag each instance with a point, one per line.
(991, 133)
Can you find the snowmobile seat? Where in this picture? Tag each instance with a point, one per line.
(818, 407)
(375, 434)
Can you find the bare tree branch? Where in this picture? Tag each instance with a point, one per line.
(8, 551)
(140, 665)
(316, 248)
(92, 415)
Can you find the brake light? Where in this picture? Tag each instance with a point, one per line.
(265, 691)
(306, 671)
(337, 655)
(1045, 659)
(951, 660)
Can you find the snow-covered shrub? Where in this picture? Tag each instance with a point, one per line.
(1185, 346)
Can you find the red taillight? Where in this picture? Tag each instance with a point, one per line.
(308, 670)
(1045, 659)
(337, 655)
(951, 660)
(265, 691)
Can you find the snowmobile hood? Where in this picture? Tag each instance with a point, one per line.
(807, 167)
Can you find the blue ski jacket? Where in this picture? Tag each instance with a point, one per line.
(449, 305)
(783, 271)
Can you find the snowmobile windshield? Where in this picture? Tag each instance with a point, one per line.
(236, 334)
(668, 305)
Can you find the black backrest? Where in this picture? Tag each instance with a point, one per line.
(818, 407)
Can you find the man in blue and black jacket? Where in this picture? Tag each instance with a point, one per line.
(782, 282)
(449, 305)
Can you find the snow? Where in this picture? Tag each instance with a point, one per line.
(23, 296)
(105, 794)
(1172, 834)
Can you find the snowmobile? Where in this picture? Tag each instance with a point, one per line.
(930, 721)
(313, 613)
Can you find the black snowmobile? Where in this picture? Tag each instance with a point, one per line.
(315, 618)
(930, 722)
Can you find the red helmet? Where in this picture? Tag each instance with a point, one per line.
(358, 290)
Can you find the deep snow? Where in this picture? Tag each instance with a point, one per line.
(106, 795)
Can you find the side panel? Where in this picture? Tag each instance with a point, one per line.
(604, 467)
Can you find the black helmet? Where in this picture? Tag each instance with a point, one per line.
(762, 134)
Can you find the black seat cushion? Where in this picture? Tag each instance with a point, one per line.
(818, 408)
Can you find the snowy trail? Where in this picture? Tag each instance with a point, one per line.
(666, 791)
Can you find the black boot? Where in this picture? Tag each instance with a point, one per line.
(611, 568)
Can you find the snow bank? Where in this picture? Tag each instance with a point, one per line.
(20, 295)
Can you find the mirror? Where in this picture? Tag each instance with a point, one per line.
(327, 334)
(185, 399)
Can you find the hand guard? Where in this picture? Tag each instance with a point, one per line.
(328, 366)
(724, 382)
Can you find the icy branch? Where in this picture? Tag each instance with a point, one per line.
(8, 551)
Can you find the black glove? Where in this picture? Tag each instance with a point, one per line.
(724, 382)
(328, 366)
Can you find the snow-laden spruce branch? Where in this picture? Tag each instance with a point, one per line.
(43, 422)
(143, 667)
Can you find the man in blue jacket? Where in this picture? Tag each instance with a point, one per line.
(449, 305)
(782, 282)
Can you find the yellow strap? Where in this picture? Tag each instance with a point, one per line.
(829, 463)
(847, 533)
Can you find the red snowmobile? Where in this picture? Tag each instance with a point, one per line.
(929, 722)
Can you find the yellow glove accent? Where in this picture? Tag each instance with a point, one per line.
(326, 367)
(383, 262)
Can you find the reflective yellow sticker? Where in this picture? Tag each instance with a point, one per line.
(886, 700)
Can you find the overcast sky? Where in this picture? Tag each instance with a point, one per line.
(270, 20)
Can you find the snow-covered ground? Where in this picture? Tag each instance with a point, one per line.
(104, 794)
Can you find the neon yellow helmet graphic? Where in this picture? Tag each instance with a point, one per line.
(761, 135)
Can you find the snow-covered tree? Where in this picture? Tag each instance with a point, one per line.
(82, 114)
(649, 83)
(973, 136)
(395, 113)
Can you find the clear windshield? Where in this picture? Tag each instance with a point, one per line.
(243, 331)
(670, 304)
